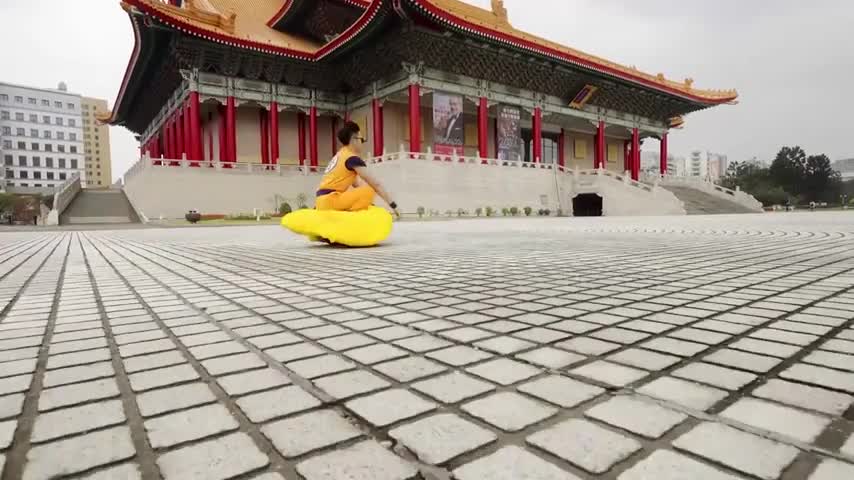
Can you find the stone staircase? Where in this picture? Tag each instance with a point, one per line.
(93, 207)
(698, 202)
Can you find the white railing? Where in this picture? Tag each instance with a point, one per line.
(63, 196)
(703, 184)
(147, 162)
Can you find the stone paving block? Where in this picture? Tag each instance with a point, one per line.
(645, 359)
(820, 376)
(509, 411)
(588, 446)
(453, 387)
(738, 450)
(78, 454)
(743, 360)
(275, 340)
(541, 335)
(11, 405)
(258, 330)
(167, 400)
(504, 345)
(195, 328)
(204, 338)
(320, 366)
(64, 396)
(67, 421)
(73, 359)
(390, 406)
(254, 381)
(610, 373)
(459, 355)
(376, 353)
(392, 333)
(714, 375)
(204, 352)
(839, 361)
(306, 433)
(802, 426)
(440, 438)
(637, 416)
(187, 425)
(697, 335)
(561, 391)
(409, 369)
(837, 345)
(848, 448)
(19, 354)
(145, 348)
(588, 346)
(295, 352)
(139, 337)
(260, 407)
(673, 346)
(161, 377)
(19, 383)
(830, 469)
(349, 384)
(680, 392)
(127, 471)
(364, 461)
(804, 396)
(792, 338)
(150, 362)
(549, 357)
(218, 459)
(233, 363)
(667, 465)
(466, 334)
(620, 335)
(504, 371)
(511, 463)
(762, 347)
(7, 432)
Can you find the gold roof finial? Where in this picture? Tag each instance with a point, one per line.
(499, 10)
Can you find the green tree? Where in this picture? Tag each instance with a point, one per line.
(821, 182)
(789, 169)
(7, 201)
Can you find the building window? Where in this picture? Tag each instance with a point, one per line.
(50, 175)
(37, 161)
(61, 163)
(48, 162)
(34, 118)
(34, 146)
(4, 115)
(72, 137)
(46, 120)
(34, 133)
(19, 99)
(72, 122)
(22, 145)
(71, 106)
(59, 121)
(19, 116)
(10, 174)
(23, 174)
(7, 144)
(45, 103)
(47, 134)
(8, 160)
(4, 97)
(7, 130)
(60, 148)
(37, 175)
(20, 132)
(61, 176)
(73, 149)
(31, 101)
(73, 164)
(48, 147)
(60, 135)
(22, 161)
(57, 104)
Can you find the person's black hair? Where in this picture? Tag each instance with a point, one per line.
(347, 132)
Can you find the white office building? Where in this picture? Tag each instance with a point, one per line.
(709, 165)
(41, 137)
(845, 168)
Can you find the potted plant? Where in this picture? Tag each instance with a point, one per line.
(420, 211)
(528, 211)
(478, 211)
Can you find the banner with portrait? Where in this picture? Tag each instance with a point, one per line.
(509, 133)
(449, 132)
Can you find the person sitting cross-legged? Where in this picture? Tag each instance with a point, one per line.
(340, 188)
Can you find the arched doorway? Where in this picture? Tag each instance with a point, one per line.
(587, 205)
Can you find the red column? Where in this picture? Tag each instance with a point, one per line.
(601, 159)
(210, 156)
(377, 124)
(167, 138)
(301, 137)
(662, 162)
(538, 135)
(230, 133)
(635, 154)
(179, 133)
(334, 135)
(188, 132)
(626, 155)
(482, 118)
(223, 142)
(347, 116)
(274, 133)
(414, 118)
(312, 138)
(262, 130)
(196, 127)
(561, 148)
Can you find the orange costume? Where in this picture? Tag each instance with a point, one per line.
(335, 192)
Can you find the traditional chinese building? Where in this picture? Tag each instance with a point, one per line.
(233, 82)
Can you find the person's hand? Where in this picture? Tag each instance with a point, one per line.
(393, 207)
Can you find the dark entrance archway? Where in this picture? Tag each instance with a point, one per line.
(587, 205)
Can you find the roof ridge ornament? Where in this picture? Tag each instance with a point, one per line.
(500, 11)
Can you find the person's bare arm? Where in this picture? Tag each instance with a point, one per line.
(377, 186)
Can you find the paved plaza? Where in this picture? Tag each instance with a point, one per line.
(670, 348)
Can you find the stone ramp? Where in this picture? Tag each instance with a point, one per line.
(698, 202)
(94, 207)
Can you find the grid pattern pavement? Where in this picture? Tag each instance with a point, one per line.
(702, 348)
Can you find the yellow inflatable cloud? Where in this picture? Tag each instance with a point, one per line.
(355, 229)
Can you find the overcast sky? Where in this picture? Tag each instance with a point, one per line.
(791, 61)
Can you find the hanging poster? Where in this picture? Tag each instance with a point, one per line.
(448, 124)
(509, 133)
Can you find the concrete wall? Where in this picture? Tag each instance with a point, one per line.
(172, 191)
